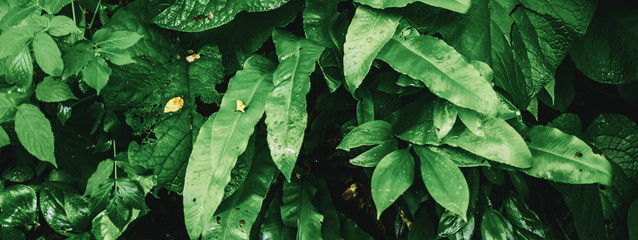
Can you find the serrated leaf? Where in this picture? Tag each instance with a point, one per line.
(118, 213)
(77, 57)
(298, 211)
(52, 6)
(443, 70)
(47, 54)
(370, 133)
(499, 142)
(391, 177)
(221, 140)
(12, 41)
(495, 226)
(236, 215)
(96, 74)
(16, 15)
(101, 174)
(286, 116)
(564, 158)
(368, 32)
(62, 25)
(444, 180)
(34, 132)
(53, 90)
(23, 202)
(111, 40)
(196, 16)
(20, 70)
(460, 6)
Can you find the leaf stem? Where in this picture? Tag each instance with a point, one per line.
(73, 11)
(99, 3)
(83, 99)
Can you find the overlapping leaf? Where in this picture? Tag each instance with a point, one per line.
(298, 211)
(460, 6)
(392, 176)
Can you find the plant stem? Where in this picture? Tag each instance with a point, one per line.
(95, 13)
(83, 99)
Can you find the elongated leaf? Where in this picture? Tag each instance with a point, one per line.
(499, 142)
(444, 117)
(323, 23)
(524, 220)
(196, 16)
(221, 140)
(286, 115)
(370, 133)
(495, 226)
(368, 32)
(372, 157)
(460, 157)
(272, 228)
(617, 137)
(443, 70)
(564, 158)
(330, 227)
(47, 54)
(168, 153)
(4, 138)
(241, 169)
(460, 6)
(444, 180)
(97, 73)
(115, 40)
(298, 211)
(53, 90)
(20, 203)
(391, 177)
(34, 132)
(236, 214)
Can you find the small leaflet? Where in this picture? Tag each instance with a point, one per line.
(174, 105)
(240, 106)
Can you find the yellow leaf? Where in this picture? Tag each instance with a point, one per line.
(174, 105)
(240, 106)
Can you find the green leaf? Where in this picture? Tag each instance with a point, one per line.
(460, 157)
(167, 154)
(372, 157)
(330, 227)
(4, 138)
(52, 6)
(414, 121)
(564, 158)
(64, 210)
(460, 6)
(34, 132)
(62, 25)
(444, 117)
(221, 140)
(47, 54)
(444, 180)
(19, 205)
(77, 57)
(606, 53)
(7, 105)
(101, 174)
(351, 231)
(286, 116)
(272, 228)
(130, 193)
(365, 106)
(118, 57)
(298, 211)
(443, 70)
(584, 205)
(205, 73)
(499, 142)
(12, 41)
(115, 40)
(241, 169)
(370, 133)
(368, 32)
(617, 137)
(53, 90)
(17, 15)
(632, 220)
(237, 214)
(525, 220)
(20, 70)
(118, 213)
(196, 16)
(97, 73)
(391, 177)
(495, 226)
(324, 24)
(568, 123)
(424, 228)
(332, 69)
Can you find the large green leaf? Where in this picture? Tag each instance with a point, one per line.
(12, 41)
(495, 226)
(460, 6)
(414, 121)
(585, 206)
(237, 214)
(499, 142)
(47, 54)
(608, 52)
(34, 132)
(167, 154)
(286, 115)
(444, 180)
(97, 73)
(564, 158)
(64, 210)
(617, 137)
(19, 205)
(298, 210)
(196, 16)
(443, 70)
(368, 32)
(524, 220)
(221, 140)
(391, 177)
(323, 24)
(53, 90)
(370, 133)
(20, 70)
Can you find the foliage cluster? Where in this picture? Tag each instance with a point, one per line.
(316, 119)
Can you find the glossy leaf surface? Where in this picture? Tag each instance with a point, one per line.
(392, 176)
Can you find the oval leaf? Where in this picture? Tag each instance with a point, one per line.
(53, 90)
(221, 140)
(370, 133)
(444, 181)
(20, 203)
(96, 74)
(564, 158)
(34, 132)
(47, 54)
(392, 176)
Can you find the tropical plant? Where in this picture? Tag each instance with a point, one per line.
(318, 119)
